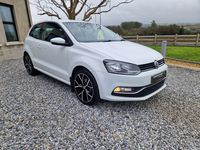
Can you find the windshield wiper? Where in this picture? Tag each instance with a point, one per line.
(113, 40)
(108, 41)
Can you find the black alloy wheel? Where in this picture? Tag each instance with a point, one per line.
(85, 87)
(29, 65)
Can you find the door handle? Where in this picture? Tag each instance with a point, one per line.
(39, 46)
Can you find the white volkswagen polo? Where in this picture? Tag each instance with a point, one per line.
(95, 61)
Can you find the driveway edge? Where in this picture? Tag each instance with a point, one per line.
(185, 67)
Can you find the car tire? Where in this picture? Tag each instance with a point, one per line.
(85, 87)
(29, 65)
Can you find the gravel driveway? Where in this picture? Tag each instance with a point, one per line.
(42, 113)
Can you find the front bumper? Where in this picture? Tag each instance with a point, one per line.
(143, 91)
(107, 82)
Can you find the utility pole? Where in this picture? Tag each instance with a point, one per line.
(100, 11)
(100, 15)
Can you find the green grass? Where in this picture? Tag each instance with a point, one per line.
(183, 53)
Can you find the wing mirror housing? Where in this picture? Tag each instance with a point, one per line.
(58, 41)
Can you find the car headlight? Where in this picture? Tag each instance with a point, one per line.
(123, 68)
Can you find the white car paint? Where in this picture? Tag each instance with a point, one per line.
(59, 62)
(126, 51)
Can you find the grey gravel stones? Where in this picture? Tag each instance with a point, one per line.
(42, 113)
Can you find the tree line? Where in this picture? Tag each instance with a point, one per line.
(135, 28)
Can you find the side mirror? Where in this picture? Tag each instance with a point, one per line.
(58, 41)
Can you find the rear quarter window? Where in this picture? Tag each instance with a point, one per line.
(37, 31)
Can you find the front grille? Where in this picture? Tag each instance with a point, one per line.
(150, 66)
(148, 90)
(161, 62)
(147, 67)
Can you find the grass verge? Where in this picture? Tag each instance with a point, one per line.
(183, 53)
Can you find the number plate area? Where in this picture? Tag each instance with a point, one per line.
(158, 77)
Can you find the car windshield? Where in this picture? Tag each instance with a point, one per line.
(88, 32)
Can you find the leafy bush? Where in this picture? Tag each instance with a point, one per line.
(131, 25)
(187, 32)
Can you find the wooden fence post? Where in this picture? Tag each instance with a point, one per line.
(137, 40)
(155, 39)
(197, 42)
(175, 39)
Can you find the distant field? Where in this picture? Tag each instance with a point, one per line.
(183, 53)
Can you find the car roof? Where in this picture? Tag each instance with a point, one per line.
(61, 21)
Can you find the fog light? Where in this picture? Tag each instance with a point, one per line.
(122, 89)
(117, 89)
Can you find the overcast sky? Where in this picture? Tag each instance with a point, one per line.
(144, 11)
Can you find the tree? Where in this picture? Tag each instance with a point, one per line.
(152, 31)
(153, 24)
(116, 29)
(130, 25)
(174, 29)
(163, 30)
(72, 8)
(181, 30)
(169, 30)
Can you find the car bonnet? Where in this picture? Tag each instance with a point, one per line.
(125, 51)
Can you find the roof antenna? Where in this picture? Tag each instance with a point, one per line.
(100, 14)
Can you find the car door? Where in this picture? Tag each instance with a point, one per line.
(54, 58)
(34, 41)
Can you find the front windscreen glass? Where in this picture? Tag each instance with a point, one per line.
(88, 32)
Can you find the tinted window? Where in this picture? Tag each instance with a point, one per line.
(37, 31)
(52, 30)
(48, 31)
